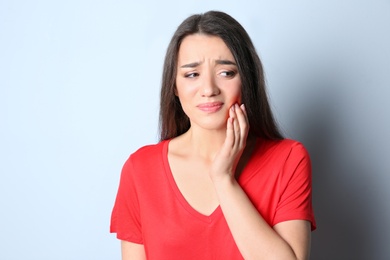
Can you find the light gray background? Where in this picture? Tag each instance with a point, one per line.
(79, 89)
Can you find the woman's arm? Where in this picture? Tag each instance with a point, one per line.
(132, 251)
(252, 234)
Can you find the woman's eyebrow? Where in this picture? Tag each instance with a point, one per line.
(191, 65)
(219, 62)
(225, 62)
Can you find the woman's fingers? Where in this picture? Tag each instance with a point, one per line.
(230, 137)
(242, 121)
(242, 117)
(237, 127)
(236, 133)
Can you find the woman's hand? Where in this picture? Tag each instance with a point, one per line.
(226, 160)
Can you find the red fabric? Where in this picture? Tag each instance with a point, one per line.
(150, 210)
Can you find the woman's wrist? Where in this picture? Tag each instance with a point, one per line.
(222, 182)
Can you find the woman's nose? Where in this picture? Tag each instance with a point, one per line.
(209, 86)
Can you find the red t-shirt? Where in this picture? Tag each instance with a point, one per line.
(150, 210)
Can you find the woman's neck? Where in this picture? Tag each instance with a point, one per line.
(204, 143)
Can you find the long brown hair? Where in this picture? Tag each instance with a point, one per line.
(173, 120)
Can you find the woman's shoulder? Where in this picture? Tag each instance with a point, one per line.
(149, 151)
(282, 148)
(146, 157)
(281, 157)
(282, 144)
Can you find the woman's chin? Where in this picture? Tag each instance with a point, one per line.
(213, 125)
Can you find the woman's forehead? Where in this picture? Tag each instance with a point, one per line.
(201, 47)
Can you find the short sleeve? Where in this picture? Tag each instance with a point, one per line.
(295, 201)
(125, 217)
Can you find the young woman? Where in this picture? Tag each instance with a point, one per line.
(222, 183)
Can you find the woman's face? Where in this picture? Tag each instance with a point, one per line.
(207, 81)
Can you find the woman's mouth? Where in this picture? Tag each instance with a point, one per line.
(210, 107)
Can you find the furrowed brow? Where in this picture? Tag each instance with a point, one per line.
(225, 62)
(190, 65)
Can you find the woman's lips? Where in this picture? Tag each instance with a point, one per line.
(210, 107)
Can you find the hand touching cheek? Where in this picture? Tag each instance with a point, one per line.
(226, 160)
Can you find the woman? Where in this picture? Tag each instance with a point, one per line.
(222, 183)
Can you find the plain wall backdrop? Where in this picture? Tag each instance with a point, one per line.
(79, 92)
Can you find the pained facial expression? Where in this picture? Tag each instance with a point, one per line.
(207, 81)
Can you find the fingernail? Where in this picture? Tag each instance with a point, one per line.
(243, 107)
(232, 108)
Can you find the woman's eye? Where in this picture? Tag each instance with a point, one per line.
(228, 73)
(191, 75)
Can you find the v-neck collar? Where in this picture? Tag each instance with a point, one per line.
(184, 203)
